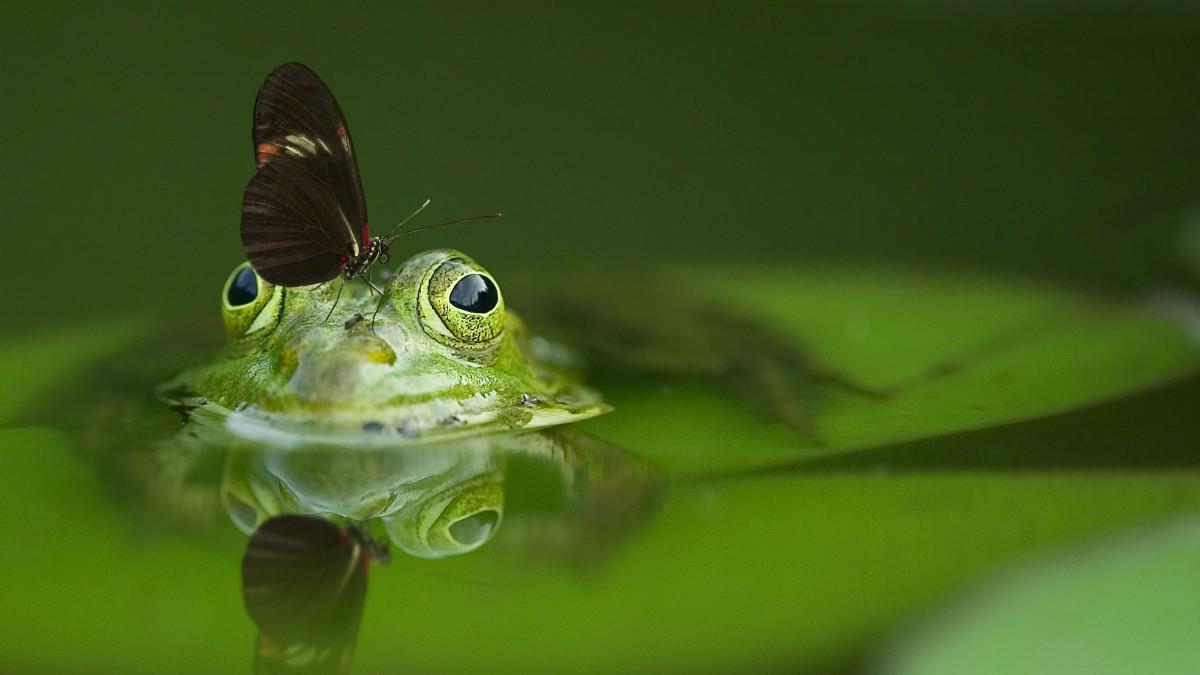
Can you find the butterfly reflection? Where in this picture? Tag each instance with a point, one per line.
(304, 583)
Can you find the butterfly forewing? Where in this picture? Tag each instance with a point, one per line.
(302, 146)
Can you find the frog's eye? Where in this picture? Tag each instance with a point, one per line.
(467, 308)
(475, 294)
(248, 303)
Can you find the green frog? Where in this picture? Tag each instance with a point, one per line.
(442, 357)
(408, 423)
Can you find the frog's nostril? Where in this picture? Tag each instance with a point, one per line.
(475, 528)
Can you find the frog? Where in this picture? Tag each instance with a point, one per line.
(442, 356)
(405, 422)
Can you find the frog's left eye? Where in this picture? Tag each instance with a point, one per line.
(468, 309)
(242, 288)
(248, 303)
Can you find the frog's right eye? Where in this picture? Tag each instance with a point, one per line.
(248, 303)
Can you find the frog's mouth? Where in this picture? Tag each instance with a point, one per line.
(409, 424)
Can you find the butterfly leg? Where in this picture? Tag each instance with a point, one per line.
(374, 288)
(382, 298)
(335, 302)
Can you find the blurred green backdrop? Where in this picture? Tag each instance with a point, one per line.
(1054, 139)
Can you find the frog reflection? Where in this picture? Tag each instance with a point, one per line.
(448, 498)
(304, 586)
(432, 501)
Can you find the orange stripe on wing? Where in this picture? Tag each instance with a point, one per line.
(265, 152)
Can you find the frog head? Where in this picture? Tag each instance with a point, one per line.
(437, 354)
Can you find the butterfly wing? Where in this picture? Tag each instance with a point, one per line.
(301, 143)
(304, 583)
(294, 231)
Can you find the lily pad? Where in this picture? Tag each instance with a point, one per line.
(950, 353)
(1127, 605)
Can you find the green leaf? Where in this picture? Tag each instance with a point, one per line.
(1129, 605)
(961, 353)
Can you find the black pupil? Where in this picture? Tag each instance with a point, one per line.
(474, 293)
(244, 288)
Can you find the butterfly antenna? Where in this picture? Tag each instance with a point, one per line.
(396, 230)
(448, 222)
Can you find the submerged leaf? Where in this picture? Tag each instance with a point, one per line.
(945, 354)
(1125, 606)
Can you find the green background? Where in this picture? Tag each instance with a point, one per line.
(1059, 139)
(822, 145)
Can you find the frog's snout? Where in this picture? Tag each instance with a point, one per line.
(332, 372)
(365, 348)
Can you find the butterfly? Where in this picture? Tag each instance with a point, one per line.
(304, 584)
(304, 218)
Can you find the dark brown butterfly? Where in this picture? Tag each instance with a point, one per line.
(304, 219)
(304, 584)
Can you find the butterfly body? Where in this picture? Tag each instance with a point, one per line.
(377, 249)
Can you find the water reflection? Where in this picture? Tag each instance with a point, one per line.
(304, 583)
(317, 513)
(432, 501)
(554, 497)
(449, 498)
